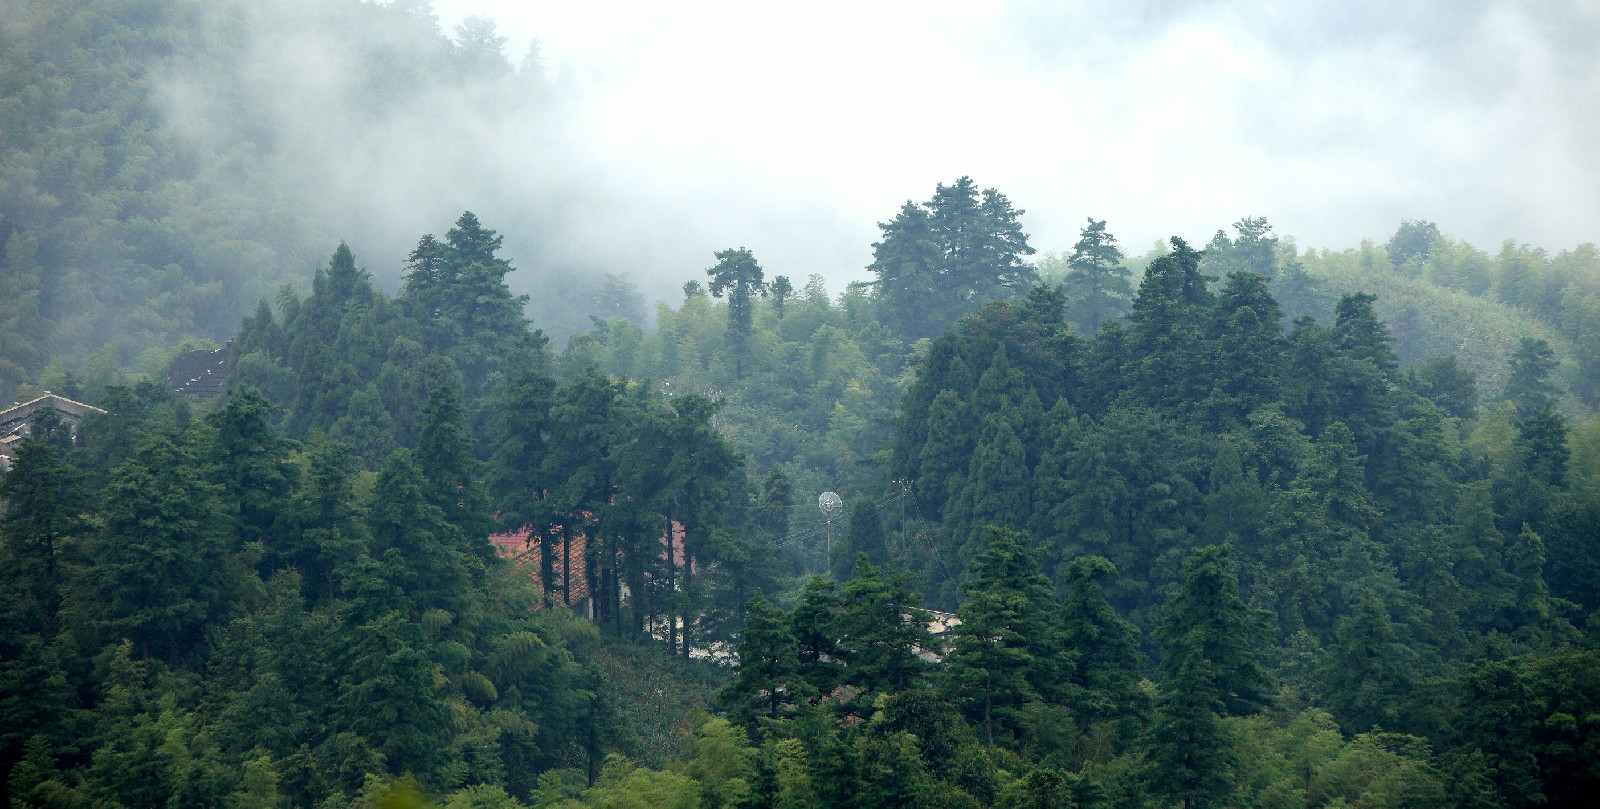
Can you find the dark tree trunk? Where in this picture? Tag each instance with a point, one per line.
(566, 565)
(672, 621)
(688, 571)
(547, 568)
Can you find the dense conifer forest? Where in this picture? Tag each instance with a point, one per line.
(1225, 525)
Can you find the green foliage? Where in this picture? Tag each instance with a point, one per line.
(948, 256)
(1005, 650)
(1413, 241)
(291, 601)
(1366, 676)
(738, 275)
(1528, 385)
(45, 504)
(863, 535)
(880, 631)
(1211, 672)
(1255, 250)
(1442, 381)
(162, 567)
(1096, 280)
(1098, 678)
(444, 453)
(769, 664)
(252, 463)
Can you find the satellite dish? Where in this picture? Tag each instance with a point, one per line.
(830, 503)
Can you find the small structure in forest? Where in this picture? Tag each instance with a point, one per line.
(200, 374)
(570, 564)
(15, 421)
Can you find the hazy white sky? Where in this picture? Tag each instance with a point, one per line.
(794, 128)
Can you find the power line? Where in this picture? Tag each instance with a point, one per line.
(807, 533)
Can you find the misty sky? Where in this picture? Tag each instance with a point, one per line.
(793, 129)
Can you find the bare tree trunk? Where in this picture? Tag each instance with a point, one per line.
(616, 591)
(672, 591)
(547, 568)
(566, 565)
(592, 571)
(688, 572)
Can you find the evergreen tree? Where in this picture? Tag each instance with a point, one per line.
(1099, 679)
(576, 474)
(515, 473)
(781, 291)
(481, 323)
(1541, 445)
(769, 668)
(1365, 678)
(444, 454)
(42, 507)
(864, 535)
(945, 454)
(1097, 281)
(366, 427)
(1361, 335)
(1309, 394)
(1192, 759)
(161, 573)
(816, 630)
(1129, 497)
(1208, 628)
(1496, 725)
(1211, 672)
(46, 425)
(1324, 515)
(1535, 612)
(1254, 251)
(995, 490)
(738, 275)
(942, 369)
(1166, 334)
(322, 535)
(335, 291)
(388, 697)
(698, 481)
(251, 463)
(1301, 293)
(1451, 388)
(418, 549)
(428, 277)
(943, 259)
(1004, 645)
(909, 265)
(880, 631)
(777, 498)
(1529, 387)
(1248, 350)
(1362, 382)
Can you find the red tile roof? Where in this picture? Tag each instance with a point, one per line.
(524, 550)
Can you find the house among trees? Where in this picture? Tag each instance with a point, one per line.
(570, 577)
(16, 423)
(200, 374)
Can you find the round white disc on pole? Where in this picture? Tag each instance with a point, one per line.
(830, 503)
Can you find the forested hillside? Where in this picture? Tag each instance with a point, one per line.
(1228, 562)
(168, 163)
(1442, 296)
(1240, 526)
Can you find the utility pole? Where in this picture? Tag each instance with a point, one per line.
(902, 483)
(830, 503)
